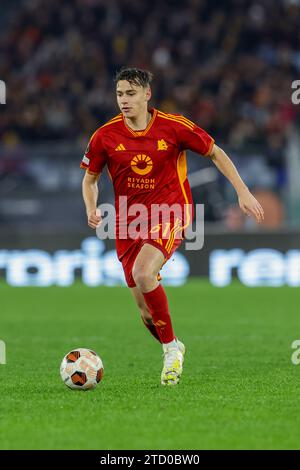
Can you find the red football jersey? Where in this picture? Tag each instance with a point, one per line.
(149, 166)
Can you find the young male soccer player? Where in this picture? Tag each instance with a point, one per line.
(144, 150)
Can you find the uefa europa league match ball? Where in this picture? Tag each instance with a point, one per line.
(81, 369)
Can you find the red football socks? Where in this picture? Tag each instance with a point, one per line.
(157, 303)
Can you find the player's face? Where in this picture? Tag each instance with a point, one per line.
(132, 99)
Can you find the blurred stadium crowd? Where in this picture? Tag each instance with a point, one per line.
(227, 65)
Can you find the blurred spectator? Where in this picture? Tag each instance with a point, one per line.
(228, 66)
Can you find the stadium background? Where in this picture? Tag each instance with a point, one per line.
(227, 66)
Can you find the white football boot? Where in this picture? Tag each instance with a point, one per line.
(173, 357)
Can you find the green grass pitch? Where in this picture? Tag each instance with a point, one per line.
(239, 388)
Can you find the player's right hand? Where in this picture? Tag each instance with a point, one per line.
(94, 218)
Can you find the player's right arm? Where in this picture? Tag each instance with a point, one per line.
(90, 197)
(93, 162)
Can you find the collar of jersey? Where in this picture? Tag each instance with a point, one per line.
(145, 131)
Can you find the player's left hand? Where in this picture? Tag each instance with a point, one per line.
(250, 206)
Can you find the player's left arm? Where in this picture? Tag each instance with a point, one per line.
(248, 204)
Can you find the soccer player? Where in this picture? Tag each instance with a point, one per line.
(144, 151)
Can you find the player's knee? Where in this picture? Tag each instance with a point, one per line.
(142, 277)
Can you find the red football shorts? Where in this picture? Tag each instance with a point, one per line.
(167, 241)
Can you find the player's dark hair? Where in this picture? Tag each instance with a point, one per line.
(134, 76)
